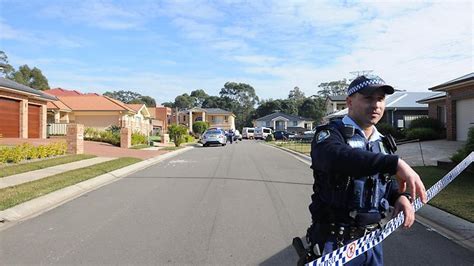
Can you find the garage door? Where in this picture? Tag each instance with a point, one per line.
(464, 118)
(33, 121)
(9, 118)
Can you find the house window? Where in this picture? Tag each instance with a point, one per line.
(225, 119)
(295, 123)
(184, 118)
(213, 119)
(441, 114)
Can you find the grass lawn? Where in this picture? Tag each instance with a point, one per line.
(171, 148)
(31, 166)
(12, 196)
(301, 147)
(457, 198)
(140, 146)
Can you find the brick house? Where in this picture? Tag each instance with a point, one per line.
(400, 108)
(161, 118)
(335, 103)
(22, 110)
(454, 105)
(216, 117)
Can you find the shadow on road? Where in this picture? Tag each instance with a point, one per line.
(287, 256)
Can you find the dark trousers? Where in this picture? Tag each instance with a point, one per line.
(373, 256)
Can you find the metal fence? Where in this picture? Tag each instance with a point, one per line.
(298, 145)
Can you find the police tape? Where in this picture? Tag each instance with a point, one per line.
(358, 247)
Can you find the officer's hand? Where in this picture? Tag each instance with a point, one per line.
(403, 204)
(408, 177)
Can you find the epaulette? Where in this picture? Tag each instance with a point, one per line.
(347, 131)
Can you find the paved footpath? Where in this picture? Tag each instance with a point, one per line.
(14, 180)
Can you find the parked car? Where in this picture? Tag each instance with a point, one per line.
(248, 132)
(237, 135)
(262, 132)
(213, 136)
(283, 135)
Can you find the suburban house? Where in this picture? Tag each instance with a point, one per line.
(216, 117)
(335, 103)
(94, 111)
(284, 122)
(160, 119)
(22, 110)
(141, 121)
(454, 105)
(401, 108)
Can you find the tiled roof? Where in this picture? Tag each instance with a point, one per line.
(400, 100)
(62, 92)
(10, 84)
(464, 78)
(57, 105)
(217, 111)
(289, 117)
(135, 107)
(92, 102)
(337, 97)
(437, 96)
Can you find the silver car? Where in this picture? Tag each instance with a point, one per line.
(213, 136)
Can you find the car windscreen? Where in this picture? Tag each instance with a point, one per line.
(214, 132)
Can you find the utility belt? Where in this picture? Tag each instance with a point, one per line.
(343, 232)
(319, 233)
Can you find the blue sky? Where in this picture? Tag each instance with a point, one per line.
(165, 48)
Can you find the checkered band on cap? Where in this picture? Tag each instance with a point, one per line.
(362, 82)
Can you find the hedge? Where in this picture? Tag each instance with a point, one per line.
(27, 151)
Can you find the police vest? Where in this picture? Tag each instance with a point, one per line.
(365, 198)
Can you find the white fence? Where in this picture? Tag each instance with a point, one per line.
(57, 129)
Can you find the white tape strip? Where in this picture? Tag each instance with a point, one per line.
(357, 247)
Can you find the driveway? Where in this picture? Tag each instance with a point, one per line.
(428, 152)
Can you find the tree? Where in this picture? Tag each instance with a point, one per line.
(242, 98)
(338, 87)
(147, 100)
(33, 78)
(6, 70)
(199, 97)
(296, 94)
(123, 96)
(267, 107)
(183, 101)
(312, 107)
(168, 104)
(177, 133)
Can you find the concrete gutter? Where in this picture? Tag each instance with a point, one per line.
(54, 199)
(450, 226)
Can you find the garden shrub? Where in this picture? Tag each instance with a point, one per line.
(427, 122)
(467, 149)
(199, 127)
(189, 138)
(138, 138)
(422, 134)
(177, 133)
(27, 151)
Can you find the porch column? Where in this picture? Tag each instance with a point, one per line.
(334, 106)
(203, 117)
(57, 117)
(190, 121)
(274, 124)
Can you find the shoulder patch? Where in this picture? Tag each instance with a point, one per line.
(322, 135)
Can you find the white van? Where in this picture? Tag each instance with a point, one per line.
(262, 132)
(247, 132)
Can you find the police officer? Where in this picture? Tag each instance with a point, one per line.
(353, 168)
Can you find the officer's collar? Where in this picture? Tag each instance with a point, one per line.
(375, 134)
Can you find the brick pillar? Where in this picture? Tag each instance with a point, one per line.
(75, 138)
(451, 118)
(125, 137)
(165, 138)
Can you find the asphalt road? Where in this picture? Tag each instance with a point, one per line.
(241, 205)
